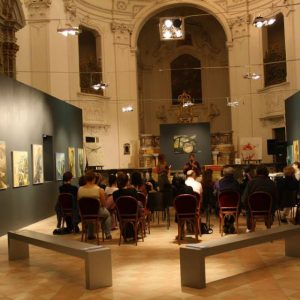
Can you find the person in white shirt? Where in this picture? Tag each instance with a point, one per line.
(193, 183)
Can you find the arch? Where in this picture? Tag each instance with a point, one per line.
(146, 14)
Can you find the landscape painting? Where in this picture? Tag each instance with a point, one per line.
(80, 162)
(37, 164)
(60, 165)
(71, 157)
(3, 167)
(20, 168)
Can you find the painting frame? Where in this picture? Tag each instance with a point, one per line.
(80, 159)
(3, 166)
(296, 150)
(37, 164)
(20, 168)
(60, 165)
(251, 148)
(72, 161)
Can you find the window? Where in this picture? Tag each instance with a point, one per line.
(186, 76)
(90, 62)
(274, 52)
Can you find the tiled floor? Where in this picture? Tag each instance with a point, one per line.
(151, 271)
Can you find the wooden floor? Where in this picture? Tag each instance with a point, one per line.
(151, 271)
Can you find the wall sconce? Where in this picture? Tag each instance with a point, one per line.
(232, 103)
(260, 21)
(69, 30)
(171, 28)
(251, 75)
(99, 86)
(128, 108)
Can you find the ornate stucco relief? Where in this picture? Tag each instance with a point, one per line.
(121, 32)
(239, 26)
(70, 8)
(38, 8)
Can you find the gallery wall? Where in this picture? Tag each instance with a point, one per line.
(196, 135)
(27, 117)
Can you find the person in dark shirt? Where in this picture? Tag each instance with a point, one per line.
(67, 187)
(123, 188)
(227, 182)
(192, 164)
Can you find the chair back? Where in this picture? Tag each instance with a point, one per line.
(156, 201)
(185, 205)
(142, 198)
(229, 200)
(127, 207)
(89, 207)
(260, 203)
(65, 201)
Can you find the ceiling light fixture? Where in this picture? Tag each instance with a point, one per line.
(99, 86)
(260, 21)
(187, 104)
(252, 76)
(69, 30)
(128, 108)
(171, 28)
(232, 103)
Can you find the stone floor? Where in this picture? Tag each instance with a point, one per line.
(151, 271)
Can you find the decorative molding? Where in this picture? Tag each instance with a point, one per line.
(121, 5)
(70, 8)
(121, 32)
(136, 9)
(38, 8)
(239, 26)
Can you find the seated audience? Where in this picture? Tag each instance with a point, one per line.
(99, 181)
(285, 184)
(247, 176)
(261, 182)
(193, 183)
(124, 189)
(110, 204)
(227, 182)
(67, 187)
(92, 190)
(296, 166)
(208, 196)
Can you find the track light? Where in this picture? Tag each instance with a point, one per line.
(69, 30)
(99, 86)
(251, 75)
(128, 108)
(260, 21)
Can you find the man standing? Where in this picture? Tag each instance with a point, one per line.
(192, 164)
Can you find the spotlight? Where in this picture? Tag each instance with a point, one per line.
(252, 76)
(271, 21)
(259, 22)
(128, 108)
(171, 28)
(69, 30)
(98, 86)
(177, 23)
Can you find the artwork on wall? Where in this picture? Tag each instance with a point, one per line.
(289, 155)
(3, 168)
(59, 165)
(296, 150)
(184, 143)
(71, 159)
(80, 162)
(37, 164)
(251, 148)
(20, 168)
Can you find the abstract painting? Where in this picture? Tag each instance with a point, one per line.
(3, 167)
(184, 143)
(296, 150)
(60, 165)
(37, 164)
(20, 168)
(251, 148)
(71, 157)
(80, 162)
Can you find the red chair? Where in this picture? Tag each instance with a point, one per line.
(187, 210)
(147, 213)
(260, 205)
(65, 201)
(89, 212)
(128, 213)
(229, 203)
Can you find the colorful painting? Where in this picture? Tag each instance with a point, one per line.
(296, 150)
(37, 164)
(20, 168)
(3, 167)
(80, 162)
(71, 157)
(251, 148)
(60, 165)
(184, 143)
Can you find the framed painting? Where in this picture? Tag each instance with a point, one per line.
(20, 168)
(184, 143)
(80, 162)
(296, 150)
(3, 166)
(60, 165)
(71, 159)
(251, 148)
(37, 164)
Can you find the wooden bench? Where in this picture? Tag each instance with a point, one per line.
(192, 256)
(98, 269)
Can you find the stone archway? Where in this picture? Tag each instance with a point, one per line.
(11, 20)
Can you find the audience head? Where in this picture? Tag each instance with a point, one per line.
(191, 173)
(136, 179)
(90, 176)
(67, 177)
(82, 180)
(228, 171)
(122, 180)
(289, 171)
(112, 179)
(178, 181)
(296, 165)
(262, 170)
(207, 177)
(192, 157)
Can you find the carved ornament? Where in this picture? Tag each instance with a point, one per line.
(121, 5)
(121, 32)
(70, 8)
(239, 26)
(38, 8)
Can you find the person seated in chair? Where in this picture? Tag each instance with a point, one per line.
(260, 183)
(92, 190)
(67, 187)
(227, 182)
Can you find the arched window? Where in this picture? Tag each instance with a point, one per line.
(90, 62)
(186, 76)
(274, 52)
